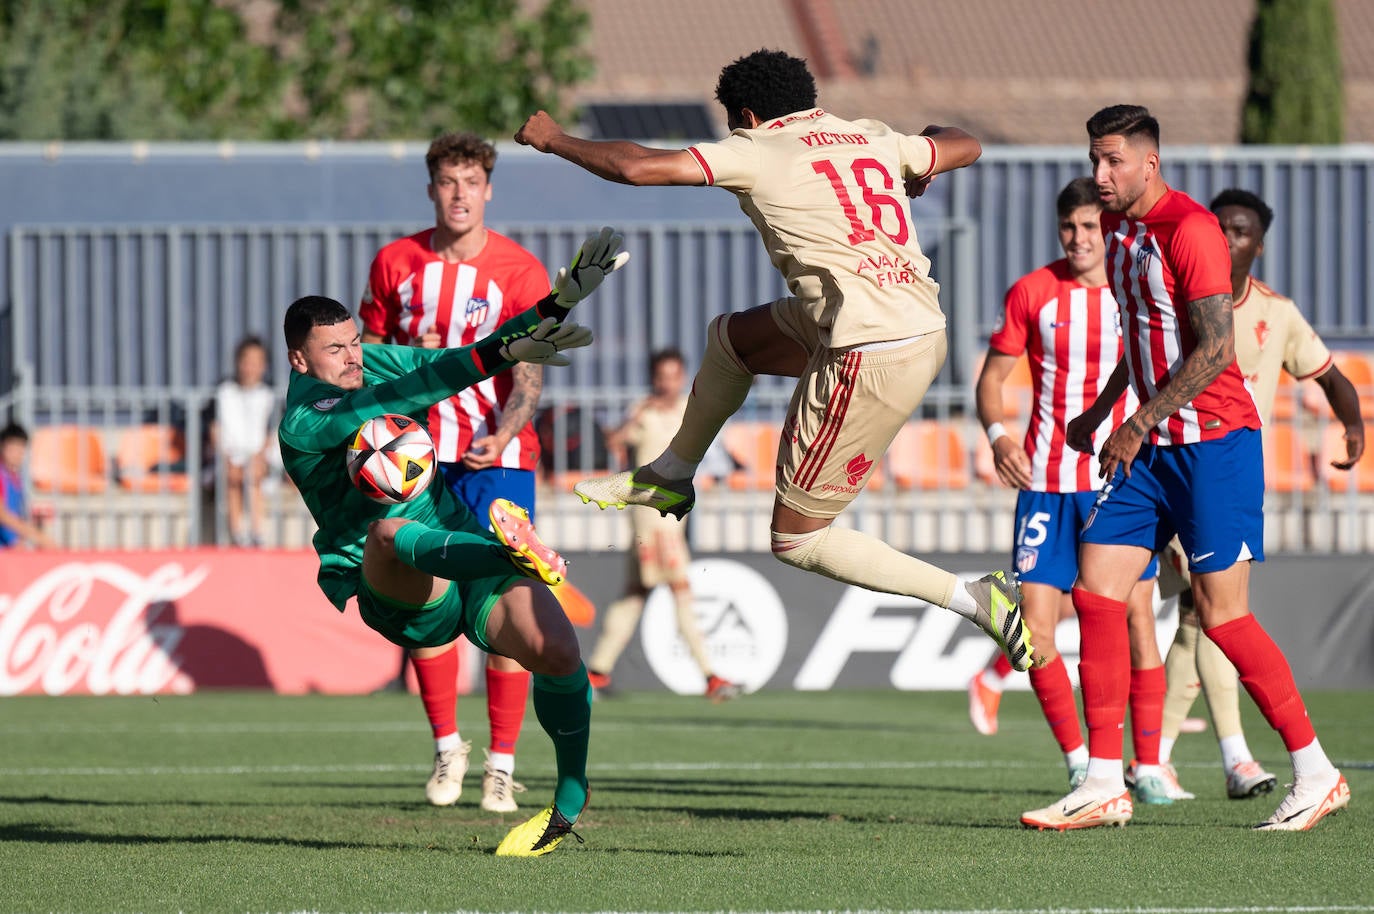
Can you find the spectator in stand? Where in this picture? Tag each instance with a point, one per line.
(244, 407)
(16, 524)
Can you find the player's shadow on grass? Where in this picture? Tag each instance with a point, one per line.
(38, 833)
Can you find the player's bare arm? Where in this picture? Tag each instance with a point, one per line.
(1212, 322)
(615, 160)
(1345, 403)
(1008, 456)
(527, 386)
(954, 148)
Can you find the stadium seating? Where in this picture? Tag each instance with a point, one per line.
(152, 458)
(1359, 369)
(67, 459)
(929, 455)
(1016, 389)
(1287, 464)
(755, 446)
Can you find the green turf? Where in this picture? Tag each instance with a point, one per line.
(780, 801)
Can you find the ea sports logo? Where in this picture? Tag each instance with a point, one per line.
(742, 623)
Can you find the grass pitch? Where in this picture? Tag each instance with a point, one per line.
(782, 801)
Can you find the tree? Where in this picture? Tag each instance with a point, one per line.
(414, 68)
(1295, 93)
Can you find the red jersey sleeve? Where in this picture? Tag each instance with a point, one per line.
(379, 310)
(1013, 325)
(1200, 259)
(528, 285)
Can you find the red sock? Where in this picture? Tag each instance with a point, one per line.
(1002, 666)
(1052, 687)
(438, 679)
(1265, 673)
(507, 694)
(1103, 670)
(1147, 712)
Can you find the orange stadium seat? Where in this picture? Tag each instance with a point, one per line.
(929, 455)
(755, 445)
(1287, 465)
(148, 459)
(69, 459)
(1016, 390)
(1286, 397)
(1359, 369)
(1361, 475)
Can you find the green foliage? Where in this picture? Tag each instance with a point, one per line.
(1296, 93)
(347, 69)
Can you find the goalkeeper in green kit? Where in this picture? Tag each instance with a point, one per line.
(425, 571)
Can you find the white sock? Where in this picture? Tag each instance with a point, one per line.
(671, 466)
(1148, 771)
(992, 681)
(1311, 760)
(1106, 772)
(445, 743)
(1234, 751)
(502, 761)
(1077, 756)
(962, 602)
(1166, 750)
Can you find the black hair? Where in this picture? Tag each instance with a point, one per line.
(768, 83)
(248, 342)
(666, 354)
(12, 431)
(1130, 121)
(309, 312)
(1234, 196)
(1078, 192)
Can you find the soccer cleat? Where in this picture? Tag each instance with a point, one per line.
(1248, 779)
(1085, 807)
(1153, 790)
(599, 681)
(999, 614)
(1310, 800)
(446, 782)
(1077, 775)
(538, 835)
(982, 705)
(499, 789)
(720, 690)
(511, 524)
(1172, 788)
(639, 487)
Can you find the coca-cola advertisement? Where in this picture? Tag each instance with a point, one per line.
(173, 622)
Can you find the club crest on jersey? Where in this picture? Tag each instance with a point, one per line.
(1142, 257)
(1026, 557)
(326, 404)
(476, 311)
(1262, 333)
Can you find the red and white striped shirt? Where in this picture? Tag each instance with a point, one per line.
(1156, 265)
(1071, 334)
(412, 291)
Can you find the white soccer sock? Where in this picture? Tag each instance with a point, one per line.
(1166, 750)
(1310, 760)
(502, 761)
(1077, 756)
(445, 743)
(671, 466)
(1234, 751)
(992, 681)
(962, 602)
(1106, 773)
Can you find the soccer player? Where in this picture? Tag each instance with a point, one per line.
(16, 525)
(660, 555)
(1271, 336)
(1188, 461)
(451, 285)
(1064, 318)
(862, 331)
(425, 572)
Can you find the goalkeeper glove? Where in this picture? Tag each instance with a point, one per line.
(599, 256)
(545, 342)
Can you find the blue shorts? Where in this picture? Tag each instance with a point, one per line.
(478, 488)
(1211, 494)
(1048, 525)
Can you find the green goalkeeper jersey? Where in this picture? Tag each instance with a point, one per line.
(320, 420)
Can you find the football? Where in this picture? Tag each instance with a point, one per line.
(391, 459)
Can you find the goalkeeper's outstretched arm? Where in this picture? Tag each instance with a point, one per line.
(615, 160)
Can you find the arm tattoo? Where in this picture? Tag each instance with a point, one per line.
(1213, 328)
(523, 399)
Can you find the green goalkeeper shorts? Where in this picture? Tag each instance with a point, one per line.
(462, 609)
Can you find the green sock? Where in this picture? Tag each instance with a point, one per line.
(454, 556)
(563, 705)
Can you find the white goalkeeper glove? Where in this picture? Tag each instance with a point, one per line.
(599, 256)
(544, 343)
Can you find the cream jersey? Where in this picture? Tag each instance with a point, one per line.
(651, 428)
(828, 198)
(1273, 336)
